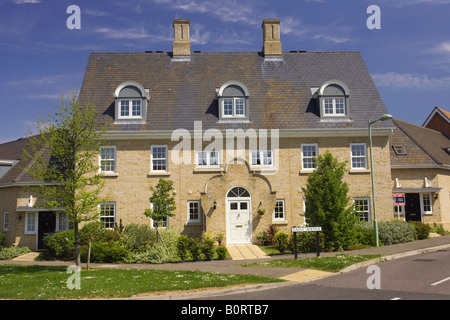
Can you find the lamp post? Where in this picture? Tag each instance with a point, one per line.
(375, 222)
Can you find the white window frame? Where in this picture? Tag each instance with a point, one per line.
(6, 216)
(166, 158)
(130, 109)
(208, 159)
(261, 154)
(108, 216)
(199, 210)
(62, 221)
(353, 156)
(422, 203)
(234, 108)
(283, 213)
(114, 159)
(369, 213)
(334, 107)
(309, 157)
(28, 216)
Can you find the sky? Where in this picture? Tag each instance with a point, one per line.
(43, 56)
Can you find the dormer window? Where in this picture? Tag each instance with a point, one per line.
(130, 108)
(233, 101)
(131, 102)
(332, 99)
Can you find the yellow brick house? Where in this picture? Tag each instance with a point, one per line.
(235, 131)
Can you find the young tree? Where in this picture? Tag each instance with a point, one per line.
(327, 203)
(163, 204)
(64, 157)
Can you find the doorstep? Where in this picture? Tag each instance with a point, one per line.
(246, 251)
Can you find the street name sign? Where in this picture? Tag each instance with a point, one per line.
(306, 229)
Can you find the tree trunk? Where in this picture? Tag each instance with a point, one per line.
(77, 245)
(89, 256)
(162, 240)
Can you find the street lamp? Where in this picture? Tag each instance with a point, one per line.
(384, 117)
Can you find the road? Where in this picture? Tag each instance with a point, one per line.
(419, 277)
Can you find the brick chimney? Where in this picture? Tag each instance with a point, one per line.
(271, 38)
(181, 42)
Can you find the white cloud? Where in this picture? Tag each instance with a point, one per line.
(225, 10)
(198, 34)
(27, 1)
(44, 80)
(443, 47)
(409, 80)
(295, 26)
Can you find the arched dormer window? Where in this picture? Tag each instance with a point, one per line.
(131, 101)
(233, 101)
(333, 100)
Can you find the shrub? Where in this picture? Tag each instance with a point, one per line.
(182, 246)
(195, 248)
(207, 246)
(365, 234)
(439, 229)
(221, 252)
(60, 246)
(422, 229)
(281, 241)
(306, 242)
(2, 239)
(391, 232)
(270, 234)
(12, 252)
(154, 254)
(105, 252)
(137, 237)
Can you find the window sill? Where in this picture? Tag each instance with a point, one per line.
(158, 173)
(194, 223)
(109, 174)
(280, 222)
(307, 171)
(352, 171)
(263, 170)
(208, 170)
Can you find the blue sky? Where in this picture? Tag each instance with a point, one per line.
(40, 58)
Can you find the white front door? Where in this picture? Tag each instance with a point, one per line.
(239, 229)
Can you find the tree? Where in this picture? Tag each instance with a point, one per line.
(162, 204)
(64, 157)
(327, 203)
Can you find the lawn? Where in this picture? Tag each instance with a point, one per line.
(330, 264)
(39, 282)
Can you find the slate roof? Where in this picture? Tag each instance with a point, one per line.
(13, 151)
(279, 91)
(423, 146)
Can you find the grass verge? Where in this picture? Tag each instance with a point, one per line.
(330, 264)
(41, 282)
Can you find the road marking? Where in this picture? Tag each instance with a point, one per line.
(439, 282)
(396, 298)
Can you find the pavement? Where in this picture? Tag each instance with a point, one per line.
(230, 266)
